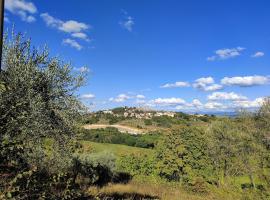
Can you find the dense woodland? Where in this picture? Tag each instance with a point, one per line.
(46, 154)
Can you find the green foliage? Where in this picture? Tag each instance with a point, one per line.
(112, 135)
(163, 121)
(170, 157)
(182, 156)
(119, 110)
(37, 102)
(137, 164)
(94, 168)
(148, 122)
(197, 161)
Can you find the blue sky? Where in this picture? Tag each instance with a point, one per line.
(181, 55)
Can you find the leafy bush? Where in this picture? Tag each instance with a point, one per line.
(137, 164)
(94, 169)
(148, 122)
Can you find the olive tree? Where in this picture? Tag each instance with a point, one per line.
(38, 108)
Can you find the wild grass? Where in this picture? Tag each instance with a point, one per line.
(138, 190)
(116, 149)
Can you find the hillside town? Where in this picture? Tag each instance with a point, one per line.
(138, 113)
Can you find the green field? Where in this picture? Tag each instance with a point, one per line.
(117, 149)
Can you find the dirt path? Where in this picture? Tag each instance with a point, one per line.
(121, 128)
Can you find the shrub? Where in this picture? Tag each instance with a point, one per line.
(94, 169)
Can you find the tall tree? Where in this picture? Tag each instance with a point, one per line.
(37, 102)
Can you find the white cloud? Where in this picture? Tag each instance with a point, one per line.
(211, 58)
(233, 102)
(246, 81)
(128, 22)
(213, 87)
(222, 54)
(82, 69)
(205, 80)
(29, 19)
(51, 21)
(120, 98)
(82, 36)
(74, 28)
(124, 97)
(72, 43)
(206, 84)
(88, 96)
(70, 26)
(176, 85)
(140, 96)
(214, 106)
(258, 102)
(196, 103)
(226, 96)
(22, 8)
(257, 54)
(167, 101)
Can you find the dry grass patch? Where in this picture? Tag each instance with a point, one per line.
(135, 190)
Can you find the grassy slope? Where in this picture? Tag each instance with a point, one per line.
(117, 149)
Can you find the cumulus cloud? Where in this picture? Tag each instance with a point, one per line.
(24, 9)
(205, 80)
(213, 87)
(207, 84)
(51, 21)
(140, 96)
(120, 98)
(246, 81)
(124, 97)
(176, 85)
(74, 28)
(70, 26)
(82, 36)
(226, 96)
(197, 105)
(222, 54)
(167, 101)
(72, 43)
(214, 106)
(215, 103)
(88, 96)
(247, 104)
(258, 54)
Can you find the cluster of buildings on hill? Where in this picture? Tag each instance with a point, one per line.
(139, 113)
